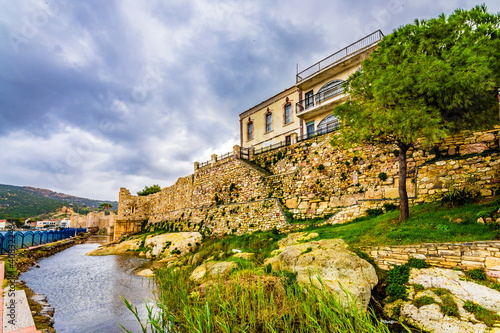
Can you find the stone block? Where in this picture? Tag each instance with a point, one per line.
(473, 148)
(492, 263)
(291, 203)
(449, 253)
(472, 264)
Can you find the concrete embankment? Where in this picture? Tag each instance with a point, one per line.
(16, 305)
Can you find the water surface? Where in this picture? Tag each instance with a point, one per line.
(85, 290)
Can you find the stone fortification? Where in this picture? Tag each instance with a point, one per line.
(485, 255)
(311, 179)
(95, 220)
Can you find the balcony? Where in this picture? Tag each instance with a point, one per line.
(334, 59)
(316, 103)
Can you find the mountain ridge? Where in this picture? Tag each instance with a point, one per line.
(27, 201)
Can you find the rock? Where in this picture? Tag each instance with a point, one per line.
(116, 248)
(486, 137)
(296, 238)
(488, 220)
(162, 245)
(457, 220)
(212, 270)
(474, 148)
(146, 273)
(330, 261)
(480, 220)
(429, 317)
(244, 255)
(197, 259)
(464, 290)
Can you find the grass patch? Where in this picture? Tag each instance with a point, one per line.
(261, 243)
(424, 300)
(479, 276)
(448, 306)
(488, 317)
(428, 223)
(251, 304)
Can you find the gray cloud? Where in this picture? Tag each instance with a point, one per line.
(96, 95)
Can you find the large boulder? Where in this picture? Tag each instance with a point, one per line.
(328, 264)
(171, 243)
(438, 285)
(212, 270)
(116, 248)
(159, 246)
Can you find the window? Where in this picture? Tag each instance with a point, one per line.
(310, 129)
(249, 130)
(328, 124)
(269, 122)
(329, 90)
(288, 140)
(288, 113)
(309, 99)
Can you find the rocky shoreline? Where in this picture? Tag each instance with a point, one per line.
(425, 300)
(41, 310)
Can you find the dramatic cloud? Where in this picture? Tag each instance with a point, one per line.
(96, 95)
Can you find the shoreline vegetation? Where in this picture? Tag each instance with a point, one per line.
(255, 298)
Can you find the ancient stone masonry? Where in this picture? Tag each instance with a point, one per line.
(95, 220)
(314, 179)
(466, 256)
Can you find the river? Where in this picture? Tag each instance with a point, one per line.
(85, 290)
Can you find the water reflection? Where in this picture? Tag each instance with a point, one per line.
(85, 290)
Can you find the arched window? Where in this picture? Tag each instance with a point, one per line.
(328, 124)
(329, 90)
(288, 113)
(249, 130)
(269, 121)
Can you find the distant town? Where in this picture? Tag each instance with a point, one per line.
(40, 225)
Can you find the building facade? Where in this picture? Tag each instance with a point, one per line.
(305, 109)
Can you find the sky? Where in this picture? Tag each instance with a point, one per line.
(97, 95)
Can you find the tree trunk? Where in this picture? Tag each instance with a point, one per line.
(404, 211)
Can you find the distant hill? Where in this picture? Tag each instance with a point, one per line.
(25, 201)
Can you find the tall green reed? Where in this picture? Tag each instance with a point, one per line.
(250, 303)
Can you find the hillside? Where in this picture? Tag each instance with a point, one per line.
(17, 201)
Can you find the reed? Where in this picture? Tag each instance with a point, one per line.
(246, 302)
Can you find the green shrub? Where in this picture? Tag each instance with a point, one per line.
(396, 278)
(149, 190)
(396, 291)
(488, 317)
(374, 211)
(417, 263)
(477, 274)
(382, 176)
(390, 207)
(321, 167)
(399, 274)
(424, 300)
(457, 198)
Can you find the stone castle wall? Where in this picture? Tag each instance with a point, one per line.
(95, 220)
(466, 256)
(312, 178)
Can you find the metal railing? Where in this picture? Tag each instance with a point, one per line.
(271, 147)
(203, 164)
(337, 56)
(328, 128)
(24, 239)
(224, 156)
(320, 97)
